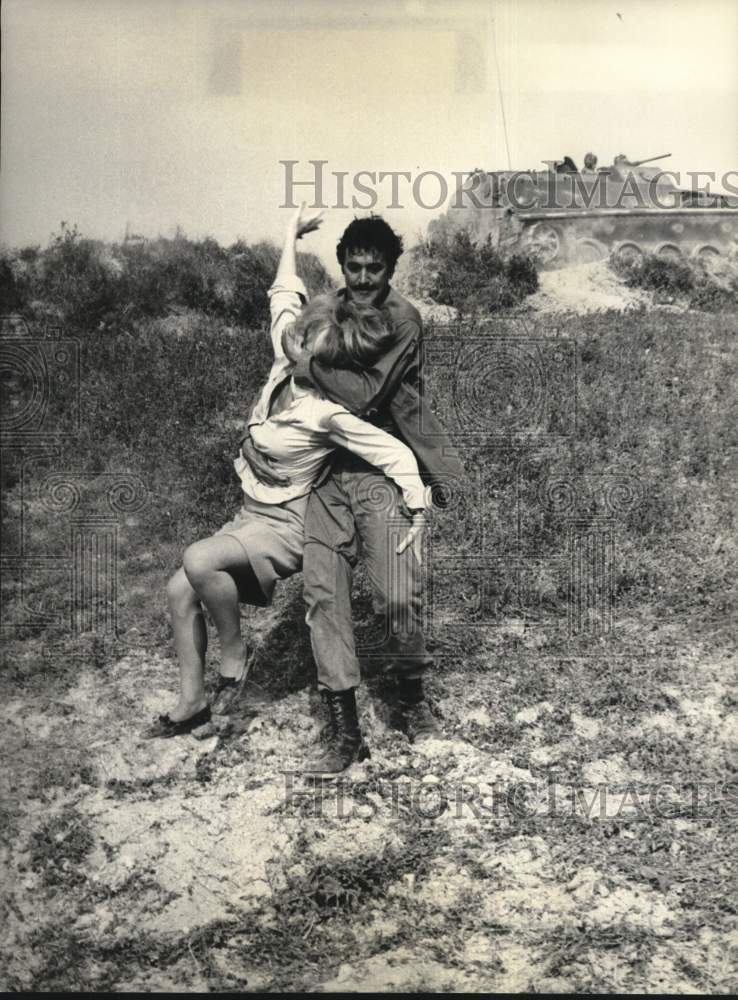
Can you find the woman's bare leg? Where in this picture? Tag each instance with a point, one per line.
(190, 643)
(210, 567)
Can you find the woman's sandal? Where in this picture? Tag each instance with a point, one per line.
(164, 727)
(228, 690)
(225, 689)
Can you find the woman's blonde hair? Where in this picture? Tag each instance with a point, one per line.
(355, 334)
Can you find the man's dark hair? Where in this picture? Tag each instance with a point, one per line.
(370, 234)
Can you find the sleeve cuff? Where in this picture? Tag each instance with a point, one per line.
(421, 501)
(290, 283)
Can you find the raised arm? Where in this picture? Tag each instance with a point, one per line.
(299, 225)
(287, 294)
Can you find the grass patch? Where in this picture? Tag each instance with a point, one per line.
(59, 848)
(63, 772)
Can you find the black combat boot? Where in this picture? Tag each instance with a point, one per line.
(341, 737)
(413, 714)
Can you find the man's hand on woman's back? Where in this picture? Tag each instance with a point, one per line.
(261, 465)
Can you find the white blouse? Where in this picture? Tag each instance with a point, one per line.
(301, 437)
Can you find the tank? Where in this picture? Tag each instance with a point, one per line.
(563, 215)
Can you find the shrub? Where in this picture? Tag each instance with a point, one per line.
(253, 268)
(84, 283)
(451, 269)
(78, 277)
(659, 274)
(710, 296)
(696, 284)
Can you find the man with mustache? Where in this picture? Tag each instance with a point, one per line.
(352, 506)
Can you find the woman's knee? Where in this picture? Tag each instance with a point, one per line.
(179, 591)
(195, 562)
(213, 555)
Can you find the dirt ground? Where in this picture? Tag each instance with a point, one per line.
(581, 289)
(556, 839)
(585, 288)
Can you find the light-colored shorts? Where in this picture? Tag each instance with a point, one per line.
(272, 538)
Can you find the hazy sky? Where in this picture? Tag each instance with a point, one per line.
(158, 113)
